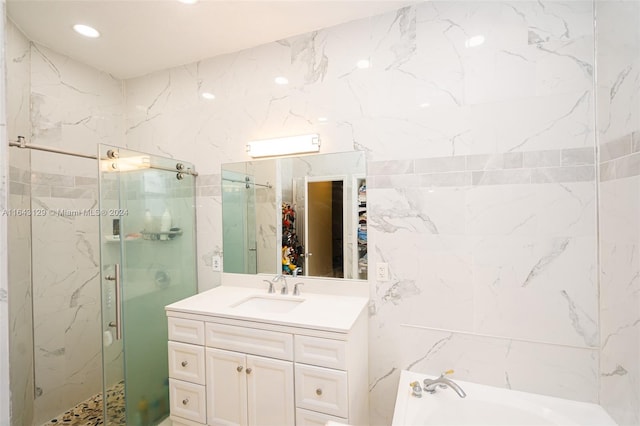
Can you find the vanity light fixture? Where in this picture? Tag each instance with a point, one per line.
(86, 30)
(284, 146)
(363, 64)
(474, 41)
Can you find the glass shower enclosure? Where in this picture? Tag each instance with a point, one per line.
(147, 234)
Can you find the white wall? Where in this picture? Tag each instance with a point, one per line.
(482, 202)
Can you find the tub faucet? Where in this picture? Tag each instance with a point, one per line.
(430, 385)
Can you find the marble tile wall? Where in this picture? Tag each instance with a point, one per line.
(66, 291)
(4, 203)
(483, 178)
(618, 118)
(73, 107)
(19, 236)
(483, 181)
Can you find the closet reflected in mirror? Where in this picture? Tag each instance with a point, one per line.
(296, 216)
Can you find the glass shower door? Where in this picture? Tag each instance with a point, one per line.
(147, 231)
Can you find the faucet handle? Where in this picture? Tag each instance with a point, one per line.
(271, 289)
(296, 289)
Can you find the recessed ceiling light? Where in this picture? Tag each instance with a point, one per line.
(281, 80)
(208, 95)
(322, 119)
(363, 64)
(424, 105)
(474, 41)
(86, 31)
(188, 1)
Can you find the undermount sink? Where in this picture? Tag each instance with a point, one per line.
(269, 304)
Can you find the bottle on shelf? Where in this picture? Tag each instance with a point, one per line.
(165, 225)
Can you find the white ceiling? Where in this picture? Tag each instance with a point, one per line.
(142, 36)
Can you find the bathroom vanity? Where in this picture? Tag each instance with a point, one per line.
(241, 356)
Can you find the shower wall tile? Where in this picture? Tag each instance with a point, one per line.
(481, 169)
(620, 289)
(66, 307)
(19, 230)
(73, 107)
(618, 118)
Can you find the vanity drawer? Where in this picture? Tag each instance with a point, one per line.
(323, 352)
(187, 331)
(311, 418)
(188, 400)
(322, 389)
(186, 362)
(251, 341)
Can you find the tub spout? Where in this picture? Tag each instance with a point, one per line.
(430, 385)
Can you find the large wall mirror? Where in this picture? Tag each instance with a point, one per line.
(296, 216)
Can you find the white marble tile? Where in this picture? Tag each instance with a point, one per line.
(72, 106)
(618, 75)
(527, 88)
(619, 300)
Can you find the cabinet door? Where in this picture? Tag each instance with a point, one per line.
(270, 392)
(226, 388)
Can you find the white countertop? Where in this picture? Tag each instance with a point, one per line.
(317, 311)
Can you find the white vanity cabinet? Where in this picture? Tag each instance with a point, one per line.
(230, 371)
(248, 390)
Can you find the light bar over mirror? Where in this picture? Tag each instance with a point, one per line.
(284, 146)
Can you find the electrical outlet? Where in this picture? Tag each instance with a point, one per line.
(216, 263)
(382, 271)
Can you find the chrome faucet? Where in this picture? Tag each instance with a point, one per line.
(271, 289)
(430, 385)
(285, 288)
(296, 271)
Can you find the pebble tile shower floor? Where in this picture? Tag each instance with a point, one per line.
(89, 412)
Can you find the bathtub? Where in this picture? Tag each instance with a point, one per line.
(488, 405)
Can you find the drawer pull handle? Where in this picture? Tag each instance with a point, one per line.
(185, 401)
(184, 363)
(319, 392)
(248, 370)
(239, 368)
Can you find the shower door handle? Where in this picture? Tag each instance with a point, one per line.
(117, 323)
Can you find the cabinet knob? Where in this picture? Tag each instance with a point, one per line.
(239, 368)
(184, 363)
(185, 401)
(248, 370)
(319, 392)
